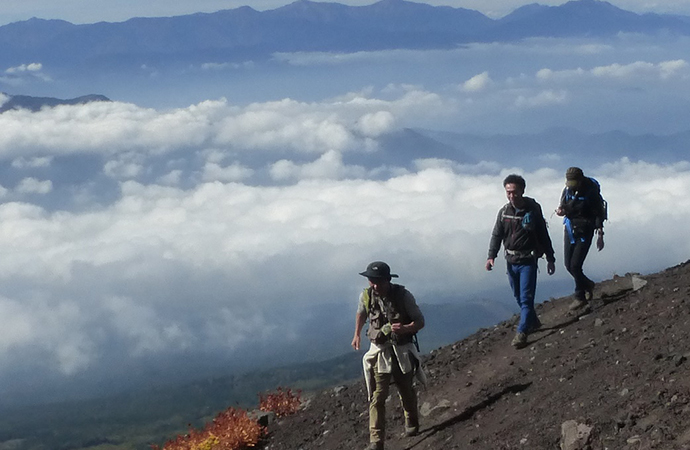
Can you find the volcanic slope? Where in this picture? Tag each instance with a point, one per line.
(615, 378)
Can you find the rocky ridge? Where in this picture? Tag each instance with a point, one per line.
(613, 378)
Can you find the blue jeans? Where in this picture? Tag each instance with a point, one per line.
(523, 281)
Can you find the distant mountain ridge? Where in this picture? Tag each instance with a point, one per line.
(37, 103)
(244, 33)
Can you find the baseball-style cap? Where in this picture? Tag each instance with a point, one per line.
(378, 269)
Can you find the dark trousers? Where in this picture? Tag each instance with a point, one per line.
(574, 255)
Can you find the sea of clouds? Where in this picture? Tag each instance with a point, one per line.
(129, 233)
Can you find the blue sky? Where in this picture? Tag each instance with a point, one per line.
(89, 11)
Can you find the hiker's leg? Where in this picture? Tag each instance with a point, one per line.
(523, 280)
(528, 287)
(408, 398)
(377, 407)
(577, 261)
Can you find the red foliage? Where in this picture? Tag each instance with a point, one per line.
(232, 429)
(282, 402)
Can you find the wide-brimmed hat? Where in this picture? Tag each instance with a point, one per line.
(573, 176)
(378, 269)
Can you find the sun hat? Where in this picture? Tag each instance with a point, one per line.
(378, 269)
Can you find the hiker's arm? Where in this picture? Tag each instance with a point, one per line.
(551, 267)
(600, 238)
(496, 239)
(562, 208)
(545, 242)
(360, 320)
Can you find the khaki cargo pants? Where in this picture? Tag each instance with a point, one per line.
(377, 407)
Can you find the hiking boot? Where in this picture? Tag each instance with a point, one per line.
(519, 341)
(577, 304)
(375, 446)
(410, 432)
(589, 292)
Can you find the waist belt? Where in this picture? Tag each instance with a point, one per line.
(520, 253)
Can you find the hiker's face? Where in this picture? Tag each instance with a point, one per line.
(380, 285)
(514, 194)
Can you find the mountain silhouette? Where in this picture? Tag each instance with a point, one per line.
(35, 104)
(615, 378)
(244, 33)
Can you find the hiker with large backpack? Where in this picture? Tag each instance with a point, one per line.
(394, 319)
(521, 228)
(584, 211)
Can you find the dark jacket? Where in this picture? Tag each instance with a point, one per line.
(584, 207)
(523, 233)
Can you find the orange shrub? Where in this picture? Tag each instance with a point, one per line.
(230, 430)
(282, 402)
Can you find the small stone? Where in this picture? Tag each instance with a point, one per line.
(633, 440)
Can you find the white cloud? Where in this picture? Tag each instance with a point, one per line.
(541, 99)
(172, 178)
(197, 253)
(233, 172)
(34, 186)
(317, 233)
(20, 74)
(376, 124)
(226, 66)
(24, 163)
(123, 169)
(637, 70)
(33, 67)
(327, 166)
(112, 128)
(477, 83)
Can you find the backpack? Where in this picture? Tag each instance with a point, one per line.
(602, 205)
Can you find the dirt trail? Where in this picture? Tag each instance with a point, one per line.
(620, 370)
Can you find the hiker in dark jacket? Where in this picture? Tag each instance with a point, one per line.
(584, 213)
(521, 227)
(394, 319)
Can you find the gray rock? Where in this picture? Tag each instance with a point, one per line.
(575, 436)
(426, 409)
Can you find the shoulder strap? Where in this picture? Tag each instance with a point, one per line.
(366, 299)
(396, 289)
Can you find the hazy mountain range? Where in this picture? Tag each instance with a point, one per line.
(244, 33)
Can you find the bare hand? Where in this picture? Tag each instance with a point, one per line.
(489, 264)
(560, 211)
(356, 342)
(397, 328)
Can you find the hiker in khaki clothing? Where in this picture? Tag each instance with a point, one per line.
(394, 318)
